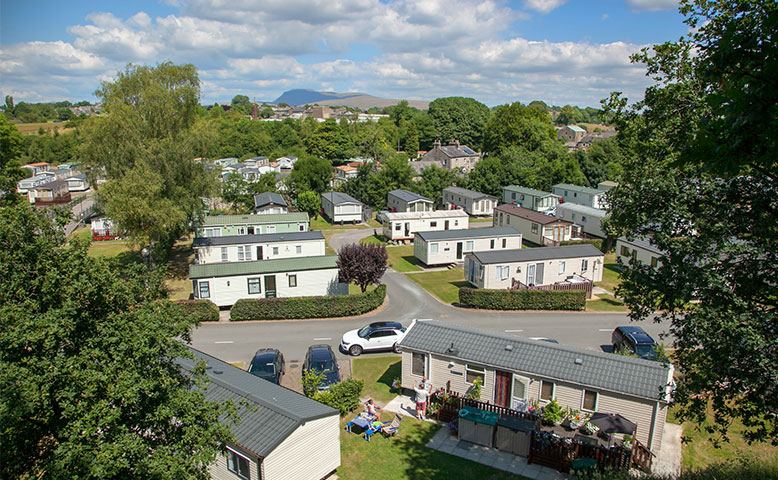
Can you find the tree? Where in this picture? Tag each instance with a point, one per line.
(311, 173)
(91, 386)
(309, 202)
(242, 104)
(458, 118)
(10, 150)
(329, 141)
(517, 126)
(539, 105)
(362, 264)
(433, 180)
(569, 115)
(236, 190)
(700, 180)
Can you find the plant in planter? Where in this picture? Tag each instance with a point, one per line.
(396, 384)
(591, 428)
(576, 419)
(626, 444)
(534, 408)
(552, 413)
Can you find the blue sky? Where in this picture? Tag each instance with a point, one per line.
(560, 51)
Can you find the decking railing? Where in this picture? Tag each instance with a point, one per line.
(454, 402)
(585, 286)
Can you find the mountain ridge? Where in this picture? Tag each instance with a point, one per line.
(360, 100)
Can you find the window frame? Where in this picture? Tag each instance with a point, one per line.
(466, 248)
(434, 248)
(562, 267)
(504, 243)
(292, 280)
(434, 224)
(535, 228)
(275, 250)
(654, 261)
(225, 254)
(474, 369)
(232, 455)
(423, 363)
(492, 243)
(298, 249)
(624, 252)
(540, 391)
(584, 265)
(200, 284)
(583, 400)
(258, 284)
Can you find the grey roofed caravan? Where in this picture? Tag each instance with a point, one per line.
(278, 411)
(616, 373)
(644, 243)
(471, 194)
(469, 233)
(408, 196)
(339, 198)
(533, 254)
(268, 198)
(228, 269)
(267, 237)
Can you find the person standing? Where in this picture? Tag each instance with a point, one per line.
(422, 393)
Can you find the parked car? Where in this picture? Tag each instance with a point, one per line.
(268, 363)
(544, 339)
(376, 336)
(321, 358)
(635, 340)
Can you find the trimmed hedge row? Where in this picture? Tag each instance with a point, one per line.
(307, 307)
(203, 310)
(597, 242)
(522, 299)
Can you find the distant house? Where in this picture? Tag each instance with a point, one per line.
(257, 162)
(78, 183)
(226, 283)
(268, 202)
(406, 201)
(282, 435)
(59, 173)
(404, 225)
(287, 162)
(454, 156)
(606, 185)
(571, 133)
(540, 266)
(26, 184)
(339, 207)
(537, 228)
(587, 218)
(344, 173)
(450, 246)
(51, 193)
(641, 249)
(247, 248)
(223, 162)
(37, 168)
(516, 372)
(590, 197)
(103, 229)
(226, 225)
(530, 198)
(590, 138)
(472, 202)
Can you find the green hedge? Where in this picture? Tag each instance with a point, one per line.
(523, 299)
(597, 242)
(203, 310)
(343, 396)
(307, 307)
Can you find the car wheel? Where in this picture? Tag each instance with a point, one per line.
(355, 350)
(396, 348)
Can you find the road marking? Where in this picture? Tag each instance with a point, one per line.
(225, 341)
(512, 331)
(606, 329)
(323, 338)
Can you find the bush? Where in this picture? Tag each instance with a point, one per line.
(553, 413)
(343, 396)
(597, 242)
(202, 310)
(307, 307)
(523, 299)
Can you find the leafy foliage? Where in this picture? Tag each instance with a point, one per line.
(458, 118)
(553, 412)
(311, 173)
(363, 264)
(307, 307)
(515, 125)
(200, 310)
(522, 299)
(343, 396)
(309, 202)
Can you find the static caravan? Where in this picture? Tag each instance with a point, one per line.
(340, 207)
(226, 283)
(474, 203)
(404, 225)
(450, 246)
(537, 228)
(267, 203)
(590, 197)
(641, 249)
(588, 218)
(530, 198)
(226, 225)
(247, 248)
(78, 183)
(407, 201)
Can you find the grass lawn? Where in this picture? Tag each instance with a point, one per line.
(610, 274)
(481, 220)
(48, 127)
(354, 289)
(373, 239)
(401, 259)
(181, 256)
(606, 303)
(443, 284)
(404, 456)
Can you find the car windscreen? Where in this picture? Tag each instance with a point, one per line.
(327, 366)
(645, 350)
(364, 331)
(262, 368)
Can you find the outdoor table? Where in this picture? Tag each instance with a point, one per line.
(361, 422)
(477, 426)
(513, 434)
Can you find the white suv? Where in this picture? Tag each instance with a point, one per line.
(376, 336)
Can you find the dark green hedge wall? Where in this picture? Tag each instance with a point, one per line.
(523, 299)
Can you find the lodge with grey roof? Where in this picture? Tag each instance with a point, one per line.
(530, 198)
(282, 435)
(472, 202)
(537, 228)
(641, 249)
(590, 197)
(269, 202)
(450, 246)
(406, 201)
(517, 371)
(340, 207)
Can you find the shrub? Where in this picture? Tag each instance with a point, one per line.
(523, 299)
(343, 396)
(203, 310)
(307, 307)
(598, 243)
(553, 413)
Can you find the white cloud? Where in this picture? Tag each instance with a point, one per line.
(652, 5)
(543, 6)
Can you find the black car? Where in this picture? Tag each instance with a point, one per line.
(320, 358)
(635, 340)
(268, 363)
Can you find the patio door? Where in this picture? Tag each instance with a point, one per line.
(530, 274)
(539, 274)
(407, 229)
(270, 286)
(459, 250)
(259, 253)
(520, 393)
(502, 388)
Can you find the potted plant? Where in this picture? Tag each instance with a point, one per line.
(576, 419)
(626, 444)
(552, 413)
(591, 428)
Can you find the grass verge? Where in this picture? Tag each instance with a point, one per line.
(378, 372)
(401, 259)
(606, 303)
(443, 284)
(610, 274)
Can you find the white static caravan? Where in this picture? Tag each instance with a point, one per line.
(450, 246)
(247, 248)
(226, 283)
(340, 207)
(641, 249)
(404, 225)
(588, 218)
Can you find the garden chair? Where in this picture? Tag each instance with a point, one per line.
(392, 428)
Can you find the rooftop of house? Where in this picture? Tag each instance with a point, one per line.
(469, 233)
(78, 176)
(530, 215)
(271, 412)
(642, 242)
(263, 238)
(212, 220)
(582, 209)
(268, 198)
(577, 188)
(346, 168)
(408, 196)
(52, 186)
(528, 191)
(443, 214)
(588, 368)
(339, 198)
(575, 128)
(295, 264)
(515, 255)
(467, 193)
(37, 164)
(455, 150)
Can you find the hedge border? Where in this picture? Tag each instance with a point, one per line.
(307, 307)
(598, 243)
(522, 299)
(204, 309)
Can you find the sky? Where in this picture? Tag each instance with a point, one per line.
(559, 51)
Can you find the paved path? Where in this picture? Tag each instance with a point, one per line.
(339, 240)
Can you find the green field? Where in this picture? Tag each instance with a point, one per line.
(443, 284)
(48, 127)
(401, 259)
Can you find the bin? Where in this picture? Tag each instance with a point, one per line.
(513, 434)
(477, 426)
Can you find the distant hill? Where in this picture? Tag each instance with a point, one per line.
(351, 99)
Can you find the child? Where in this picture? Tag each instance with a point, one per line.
(372, 409)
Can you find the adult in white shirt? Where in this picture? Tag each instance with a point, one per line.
(422, 393)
